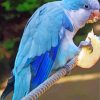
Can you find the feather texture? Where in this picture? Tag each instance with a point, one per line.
(39, 36)
(42, 66)
(38, 48)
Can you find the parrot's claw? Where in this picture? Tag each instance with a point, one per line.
(86, 44)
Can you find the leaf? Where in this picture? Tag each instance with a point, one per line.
(29, 5)
(9, 44)
(6, 5)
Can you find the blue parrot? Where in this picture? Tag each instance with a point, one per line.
(47, 43)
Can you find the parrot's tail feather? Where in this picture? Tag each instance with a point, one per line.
(9, 88)
(22, 84)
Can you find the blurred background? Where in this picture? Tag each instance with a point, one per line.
(82, 84)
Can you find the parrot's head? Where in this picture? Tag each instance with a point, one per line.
(83, 10)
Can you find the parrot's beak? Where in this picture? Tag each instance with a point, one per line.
(94, 17)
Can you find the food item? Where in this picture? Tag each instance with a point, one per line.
(86, 58)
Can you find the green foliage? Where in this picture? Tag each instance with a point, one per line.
(79, 38)
(23, 5)
(9, 44)
(6, 48)
(14, 8)
(82, 33)
(6, 5)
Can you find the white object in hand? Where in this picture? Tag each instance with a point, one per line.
(87, 59)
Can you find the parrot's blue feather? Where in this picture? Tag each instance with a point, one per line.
(74, 4)
(67, 25)
(39, 47)
(41, 33)
(22, 84)
(42, 66)
(35, 64)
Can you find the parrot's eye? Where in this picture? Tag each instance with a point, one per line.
(86, 6)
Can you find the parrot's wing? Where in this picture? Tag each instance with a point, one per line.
(41, 35)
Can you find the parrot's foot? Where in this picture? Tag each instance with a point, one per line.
(86, 44)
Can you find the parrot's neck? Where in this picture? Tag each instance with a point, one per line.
(78, 18)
